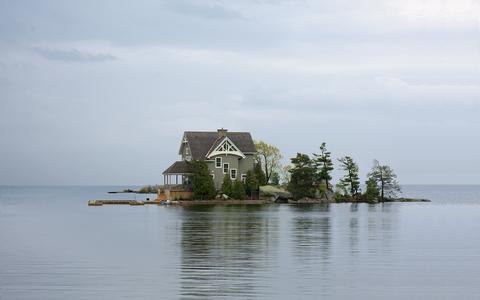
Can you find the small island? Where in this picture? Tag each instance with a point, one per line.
(225, 167)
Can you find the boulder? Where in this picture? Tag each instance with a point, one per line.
(273, 192)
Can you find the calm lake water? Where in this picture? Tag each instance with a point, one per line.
(53, 246)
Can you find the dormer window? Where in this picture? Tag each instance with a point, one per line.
(218, 162)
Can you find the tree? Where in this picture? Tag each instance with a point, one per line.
(302, 181)
(350, 179)
(227, 185)
(324, 165)
(251, 183)
(385, 179)
(203, 186)
(238, 190)
(340, 192)
(371, 193)
(275, 179)
(269, 158)
(259, 174)
(285, 174)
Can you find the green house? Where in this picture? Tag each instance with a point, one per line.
(225, 153)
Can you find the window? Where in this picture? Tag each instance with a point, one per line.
(218, 162)
(226, 166)
(212, 175)
(243, 177)
(233, 174)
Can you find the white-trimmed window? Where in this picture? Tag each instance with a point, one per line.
(218, 162)
(233, 174)
(243, 177)
(226, 166)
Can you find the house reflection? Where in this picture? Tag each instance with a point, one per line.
(224, 250)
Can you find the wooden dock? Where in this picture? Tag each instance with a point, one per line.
(121, 202)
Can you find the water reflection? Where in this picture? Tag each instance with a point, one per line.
(53, 246)
(224, 250)
(312, 231)
(312, 242)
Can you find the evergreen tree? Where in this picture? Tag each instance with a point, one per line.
(227, 185)
(350, 179)
(203, 186)
(302, 181)
(251, 183)
(324, 166)
(371, 193)
(259, 174)
(386, 180)
(238, 190)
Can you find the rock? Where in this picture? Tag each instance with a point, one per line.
(225, 197)
(325, 196)
(269, 191)
(280, 199)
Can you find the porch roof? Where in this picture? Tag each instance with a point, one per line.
(178, 167)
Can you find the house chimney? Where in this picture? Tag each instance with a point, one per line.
(222, 132)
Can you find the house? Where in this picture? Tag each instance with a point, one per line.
(224, 152)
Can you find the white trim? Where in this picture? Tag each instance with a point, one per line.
(221, 162)
(183, 142)
(236, 174)
(232, 149)
(213, 176)
(243, 177)
(228, 168)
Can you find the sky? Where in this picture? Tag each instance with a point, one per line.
(100, 92)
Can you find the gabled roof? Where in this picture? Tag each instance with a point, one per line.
(201, 142)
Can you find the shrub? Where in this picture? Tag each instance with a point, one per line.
(203, 186)
(251, 183)
(227, 186)
(238, 190)
(372, 193)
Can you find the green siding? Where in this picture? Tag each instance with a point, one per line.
(242, 165)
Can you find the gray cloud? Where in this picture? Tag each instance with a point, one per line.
(394, 80)
(202, 9)
(73, 55)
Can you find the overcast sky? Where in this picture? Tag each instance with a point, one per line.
(100, 92)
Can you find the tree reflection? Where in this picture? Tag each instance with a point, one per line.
(311, 234)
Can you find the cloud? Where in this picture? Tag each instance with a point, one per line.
(73, 55)
(372, 78)
(207, 10)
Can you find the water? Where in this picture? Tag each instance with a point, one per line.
(53, 246)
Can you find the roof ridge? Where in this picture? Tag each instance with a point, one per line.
(213, 144)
